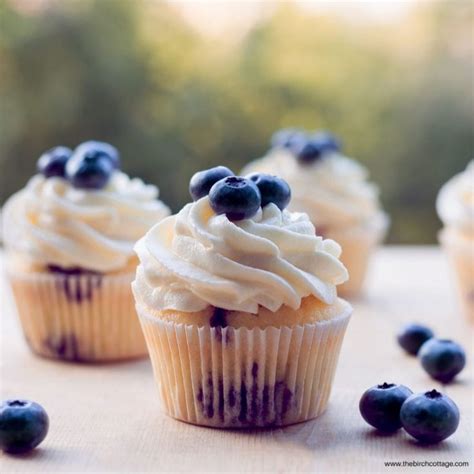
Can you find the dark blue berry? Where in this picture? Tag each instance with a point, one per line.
(287, 138)
(89, 170)
(99, 149)
(23, 425)
(413, 336)
(327, 141)
(53, 162)
(442, 359)
(238, 198)
(380, 406)
(202, 181)
(429, 417)
(272, 189)
(308, 152)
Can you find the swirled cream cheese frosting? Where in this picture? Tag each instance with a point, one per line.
(54, 223)
(334, 190)
(196, 258)
(455, 202)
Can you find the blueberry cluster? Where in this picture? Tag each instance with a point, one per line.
(429, 417)
(23, 425)
(307, 147)
(443, 359)
(89, 166)
(239, 197)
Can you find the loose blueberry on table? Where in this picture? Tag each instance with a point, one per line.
(443, 359)
(413, 336)
(92, 165)
(236, 197)
(23, 425)
(429, 417)
(53, 162)
(272, 189)
(380, 406)
(202, 181)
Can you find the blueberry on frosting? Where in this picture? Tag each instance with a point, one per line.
(53, 162)
(327, 141)
(287, 138)
(202, 181)
(236, 197)
(91, 167)
(272, 189)
(105, 150)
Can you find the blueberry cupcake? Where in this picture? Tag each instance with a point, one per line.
(455, 206)
(69, 238)
(335, 193)
(238, 303)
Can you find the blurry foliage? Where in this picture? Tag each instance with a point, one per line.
(136, 74)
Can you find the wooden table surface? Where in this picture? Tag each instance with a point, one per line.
(108, 418)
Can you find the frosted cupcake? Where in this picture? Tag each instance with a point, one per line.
(238, 303)
(455, 206)
(335, 193)
(69, 237)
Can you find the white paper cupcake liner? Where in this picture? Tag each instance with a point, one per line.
(239, 378)
(80, 318)
(358, 243)
(460, 252)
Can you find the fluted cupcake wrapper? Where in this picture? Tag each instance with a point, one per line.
(81, 318)
(460, 252)
(236, 378)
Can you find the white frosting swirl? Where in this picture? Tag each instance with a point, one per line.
(196, 258)
(333, 191)
(52, 222)
(455, 202)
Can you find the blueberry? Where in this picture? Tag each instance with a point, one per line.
(23, 425)
(308, 152)
(287, 138)
(430, 417)
(413, 336)
(99, 149)
(442, 359)
(53, 162)
(327, 141)
(202, 181)
(272, 189)
(89, 170)
(236, 197)
(380, 406)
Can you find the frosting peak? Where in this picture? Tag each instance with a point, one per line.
(52, 222)
(196, 258)
(334, 190)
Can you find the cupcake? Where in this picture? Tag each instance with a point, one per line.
(69, 238)
(335, 193)
(455, 206)
(238, 303)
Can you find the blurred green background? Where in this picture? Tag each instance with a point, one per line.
(177, 88)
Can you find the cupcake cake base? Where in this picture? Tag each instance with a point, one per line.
(241, 377)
